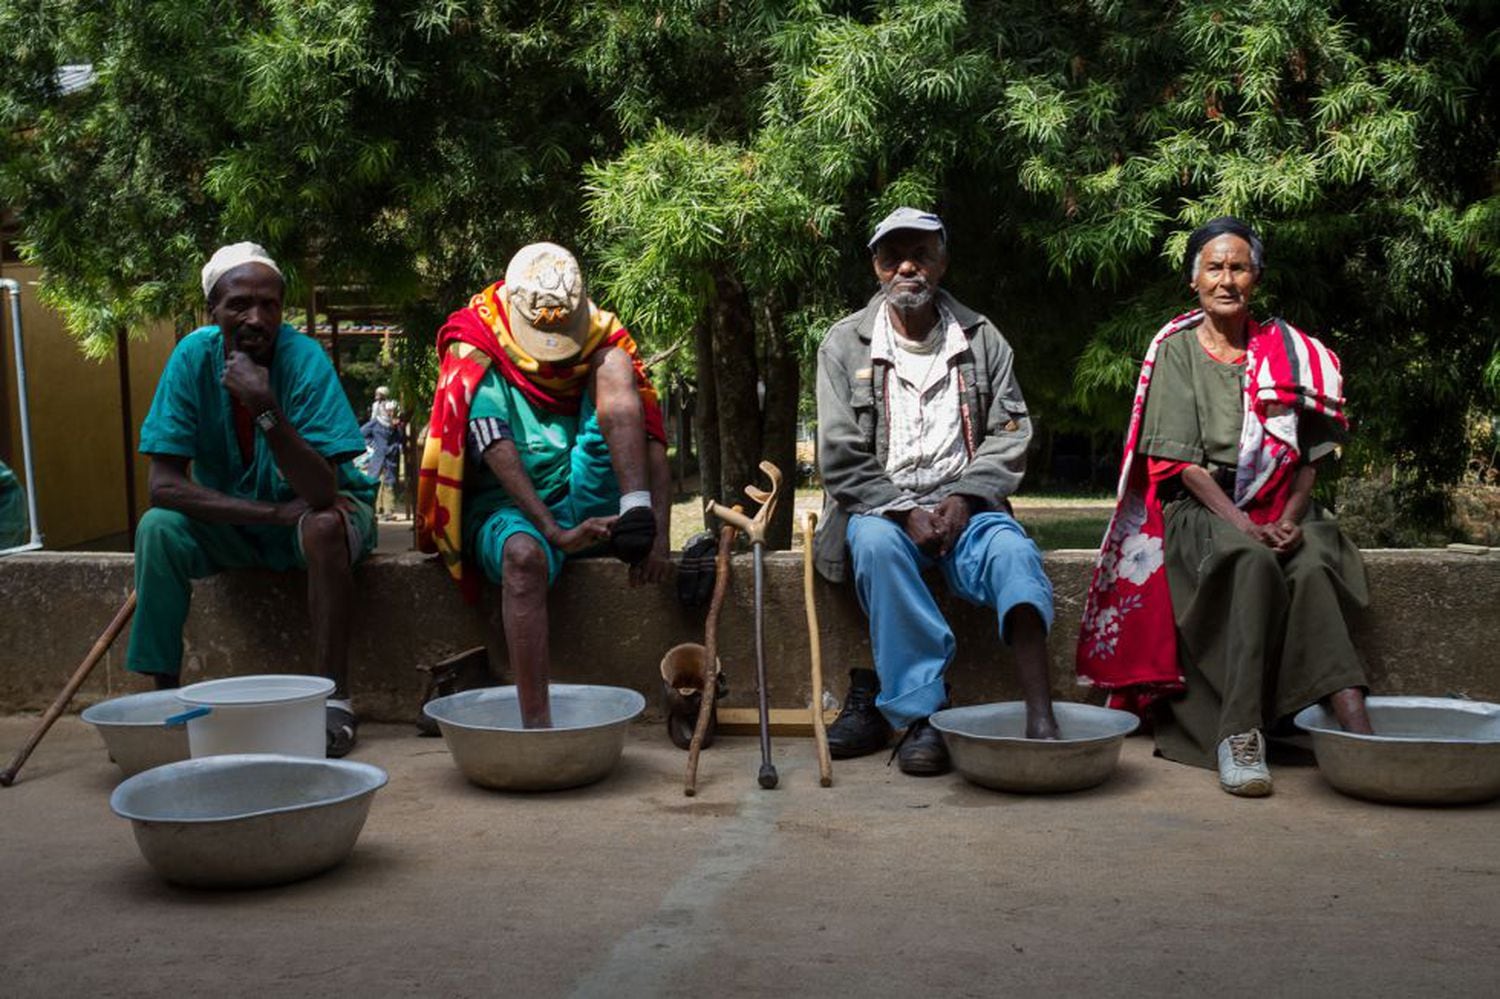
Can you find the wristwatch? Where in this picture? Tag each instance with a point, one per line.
(267, 420)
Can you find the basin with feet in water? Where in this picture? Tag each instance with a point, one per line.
(1425, 750)
(484, 734)
(989, 746)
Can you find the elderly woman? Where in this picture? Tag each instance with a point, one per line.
(1217, 604)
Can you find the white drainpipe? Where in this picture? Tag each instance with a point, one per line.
(13, 288)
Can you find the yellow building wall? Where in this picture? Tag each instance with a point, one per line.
(75, 414)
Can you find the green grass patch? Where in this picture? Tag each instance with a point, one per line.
(1053, 522)
(1052, 533)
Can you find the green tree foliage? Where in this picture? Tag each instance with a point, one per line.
(1074, 145)
(109, 181)
(1360, 139)
(403, 148)
(720, 164)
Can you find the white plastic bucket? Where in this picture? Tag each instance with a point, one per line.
(277, 713)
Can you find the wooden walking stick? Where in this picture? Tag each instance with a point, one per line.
(101, 646)
(710, 658)
(820, 732)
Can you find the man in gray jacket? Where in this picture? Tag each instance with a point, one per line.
(922, 435)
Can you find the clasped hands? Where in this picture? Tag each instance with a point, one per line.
(936, 531)
(1283, 537)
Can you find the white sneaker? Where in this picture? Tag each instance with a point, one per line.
(1242, 765)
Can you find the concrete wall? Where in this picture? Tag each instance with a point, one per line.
(75, 419)
(1430, 630)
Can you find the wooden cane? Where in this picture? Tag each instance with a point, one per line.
(101, 646)
(820, 731)
(710, 658)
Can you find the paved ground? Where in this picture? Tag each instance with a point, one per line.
(880, 886)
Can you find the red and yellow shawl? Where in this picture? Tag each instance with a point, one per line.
(474, 338)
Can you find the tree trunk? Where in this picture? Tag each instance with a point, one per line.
(704, 417)
(685, 446)
(1043, 474)
(779, 439)
(734, 374)
(679, 471)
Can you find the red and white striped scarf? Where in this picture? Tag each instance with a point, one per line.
(1287, 373)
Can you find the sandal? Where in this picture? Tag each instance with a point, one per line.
(342, 728)
(468, 670)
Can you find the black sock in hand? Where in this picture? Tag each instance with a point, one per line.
(633, 535)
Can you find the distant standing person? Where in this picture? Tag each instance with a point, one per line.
(384, 437)
(252, 442)
(922, 434)
(1217, 605)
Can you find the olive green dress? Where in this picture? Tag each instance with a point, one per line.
(1259, 637)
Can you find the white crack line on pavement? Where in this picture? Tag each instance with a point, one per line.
(644, 961)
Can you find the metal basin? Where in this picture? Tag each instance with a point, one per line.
(1425, 750)
(483, 731)
(989, 746)
(243, 820)
(133, 732)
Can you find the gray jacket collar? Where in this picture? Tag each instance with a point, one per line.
(967, 317)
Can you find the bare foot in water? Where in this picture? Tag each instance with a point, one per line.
(1041, 725)
(1348, 706)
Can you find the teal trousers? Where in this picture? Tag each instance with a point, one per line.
(173, 549)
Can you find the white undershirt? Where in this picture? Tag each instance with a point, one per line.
(926, 454)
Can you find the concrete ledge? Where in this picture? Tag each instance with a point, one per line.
(1430, 630)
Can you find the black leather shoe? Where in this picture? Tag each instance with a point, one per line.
(860, 728)
(922, 752)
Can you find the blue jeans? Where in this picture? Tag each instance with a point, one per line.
(994, 564)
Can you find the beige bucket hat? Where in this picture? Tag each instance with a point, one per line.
(549, 305)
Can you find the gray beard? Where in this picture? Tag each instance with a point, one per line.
(906, 301)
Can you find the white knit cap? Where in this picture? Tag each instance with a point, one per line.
(227, 258)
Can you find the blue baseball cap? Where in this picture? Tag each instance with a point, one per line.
(908, 218)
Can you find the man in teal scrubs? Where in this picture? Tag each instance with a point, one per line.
(15, 525)
(252, 444)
